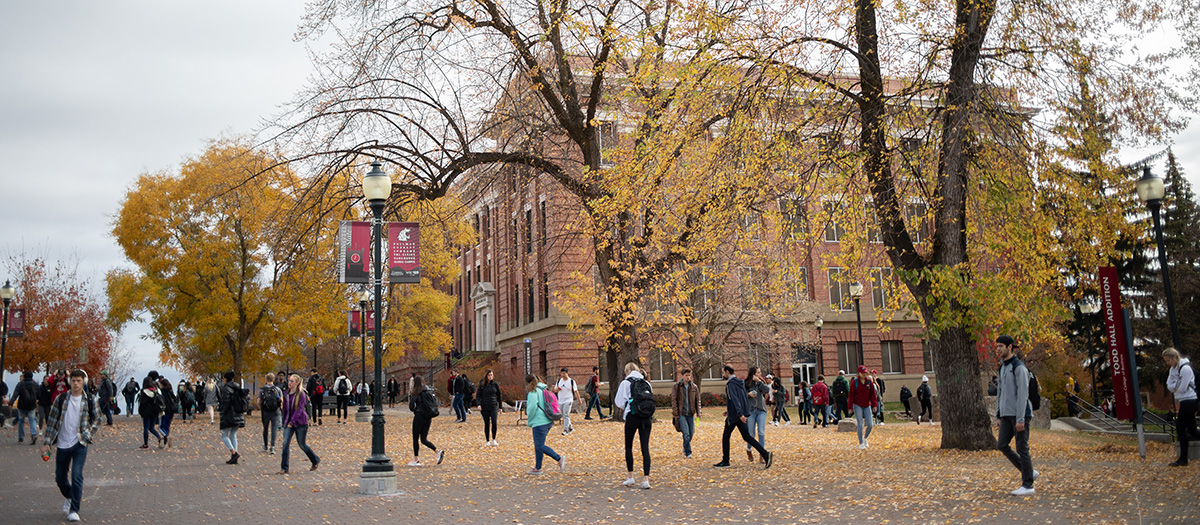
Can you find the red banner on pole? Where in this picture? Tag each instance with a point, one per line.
(1114, 333)
(16, 322)
(355, 324)
(404, 252)
(354, 252)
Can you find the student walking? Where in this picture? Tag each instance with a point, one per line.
(567, 392)
(187, 401)
(539, 424)
(295, 420)
(130, 392)
(315, 387)
(779, 398)
(46, 398)
(342, 388)
(593, 392)
(170, 406)
(232, 401)
(210, 399)
(424, 406)
(73, 421)
(804, 402)
(25, 397)
(270, 401)
(924, 397)
(151, 407)
(841, 392)
(820, 395)
(1181, 381)
(106, 391)
(393, 390)
(636, 397)
(1014, 412)
(863, 399)
(489, 407)
(685, 408)
(737, 412)
(757, 394)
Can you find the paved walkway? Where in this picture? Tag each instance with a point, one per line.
(820, 477)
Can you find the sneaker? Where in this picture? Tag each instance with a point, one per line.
(66, 507)
(722, 464)
(264, 448)
(1022, 491)
(272, 451)
(495, 443)
(144, 446)
(866, 443)
(1036, 474)
(562, 463)
(589, 418)
(646, 485)
(918, 420)
(1177, 464)
(74, 516)
(440, 456)
(687, 456)
(629, 482)
(33, 440)
(534, 472)
(770, 460)
(862, 446)
(564, 433)
(315, 465)
(414, 463)
(20, 440)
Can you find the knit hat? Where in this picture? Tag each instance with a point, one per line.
(924, 379)
(1006, 340)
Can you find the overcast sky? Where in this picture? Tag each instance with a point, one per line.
(92, 94)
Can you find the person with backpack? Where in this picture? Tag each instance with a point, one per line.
(170, 408)
(70, 428)
(863, 399)
(25, 398)
(737, 413)
(231, 400)
(925, 398)
(45, 399)
(757, 395)
(150, 407)
(880, 388)
(393, 390)
(270, 400)
(424, 406)
(685, 408)
(130, 392)
(840, 389)
(295, 423)
(1014, 412)
(489, 407)
(541, 407)
(804, 402)
(567, 391)
(187, 401)
(1071, 388)
(458, 393)
(820, 398)
(779, 398)
(342, 388)
(1181, 382)
(906, 395)
(316, 395)
(593, 391)
(636, 397)
(107, 393)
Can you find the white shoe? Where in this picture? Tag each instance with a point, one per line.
(862, 446)
(1022, 491)
(646, 485)
(1036, 474)
(495, 443)
(562, 463)
(414, 463)
(74, 516)
(629, 482)
(866, 444)
(66, 507)
(786, 423)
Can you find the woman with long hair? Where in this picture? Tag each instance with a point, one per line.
(170, 408)
(757, 393)
(488, 394)
(150, 407)
(210, 399)
(539, 423)
(424, 408)
(295, 422)
(640, 424)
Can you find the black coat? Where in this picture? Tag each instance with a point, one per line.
(489, 396)
(231, 417)
(26, 386)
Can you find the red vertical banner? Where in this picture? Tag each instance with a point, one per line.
(16, 322)
(404, 252)
(370, 323)
(354, 252)
(354, 326)
(1114, 333)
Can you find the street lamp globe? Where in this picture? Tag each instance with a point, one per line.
(1150, 187)
(856, 289)
(818, 323)
(376, 184)
(7, 292)
(364, 296)
(1088, 308)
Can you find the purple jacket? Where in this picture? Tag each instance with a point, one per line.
(294, 412)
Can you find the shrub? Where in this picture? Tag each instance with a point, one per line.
(708, 399)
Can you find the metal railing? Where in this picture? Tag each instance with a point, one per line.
(1151, 423)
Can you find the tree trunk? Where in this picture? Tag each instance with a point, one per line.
(965, 422)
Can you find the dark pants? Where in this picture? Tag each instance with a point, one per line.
(164, 424)
(148, 428)
(1185, 425)
(781, 412)
(460, 412)
(841, 408)
(270, 424)
(926, 406)
(128, 406)
(343, 404)
(1020, 458)
(907, 410)
(1072, 405)
(491, 419)
(72, 458)
(594, 401)
(316, 402)
(641, 426)
(745, 431)
(187, 411)
(540, 449)
(301, 432)
(819, 412)
(420, 434)
(106, 408)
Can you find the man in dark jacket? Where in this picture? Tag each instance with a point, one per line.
(315, 399)
(905, 395)
(737, 410)
(107, 392)
(840, 389)
(130, 392)
(45, 399)
(924, 395)
(231, 399)
(25, 398)
(685, 408)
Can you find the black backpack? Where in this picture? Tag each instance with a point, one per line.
(1035, 391)
(424, 404)
(641, 397)
(840, 388)
(27, 398)
(268, 399)
(343, 388)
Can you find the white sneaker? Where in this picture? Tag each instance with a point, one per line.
(414, 463)
(866, 444)
(862, 446)
(74, 516)
(629, 482)
(495, 443)
(646, 485)
(1036, 474)
(66, 507)
(562, 463)
(1022, 491)
(786, 423)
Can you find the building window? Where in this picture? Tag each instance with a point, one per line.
(848, 356)
(834, 231)
(661, 364)
(516, 239)
(798, 292)
(606, 132)
(529, 307)
(893, 362)
(873, 233)
(759, 355)
(749, 223)
(543, 222)
(795, 222)
(528, 231)
(703, 293)
(470, 335)
(839, 291)
(516, 304)
(915, 215)
(545, 295)
(927, 356)
(881, 287)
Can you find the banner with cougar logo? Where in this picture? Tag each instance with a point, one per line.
(404, 252)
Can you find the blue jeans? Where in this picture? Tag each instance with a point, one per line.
(687, 424)
(74, 458)
(31, 417)
(459, 410)
(539, 445)
(594, 401)
(301, 432)
(229, 438)
(758, 421)
(148, 428)
(821, 412)
(863, 416)
(106, 409)
(164, 425)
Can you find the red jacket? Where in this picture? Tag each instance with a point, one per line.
(863, 395)
(820, 393)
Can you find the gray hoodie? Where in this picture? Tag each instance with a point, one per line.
(1013, 391)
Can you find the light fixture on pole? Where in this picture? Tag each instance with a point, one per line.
(363, 414)
(820, 347)
(378, 474)
(1151, 191)
(856, 291)
(7, 292)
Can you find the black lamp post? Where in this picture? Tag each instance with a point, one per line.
(820, 347)
(856, 291)
(7, 292)
(363, 297)
(1151, 191)
(378, 475)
